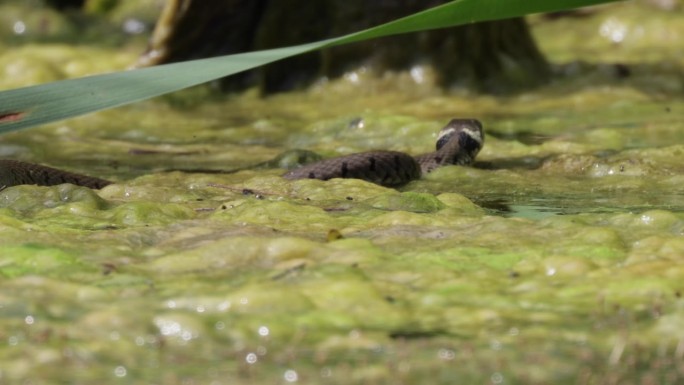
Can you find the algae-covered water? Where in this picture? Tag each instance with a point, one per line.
(558, 258)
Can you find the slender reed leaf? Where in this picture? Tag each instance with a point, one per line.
(34, 105)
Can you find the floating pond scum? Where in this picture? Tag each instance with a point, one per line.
(557, 258)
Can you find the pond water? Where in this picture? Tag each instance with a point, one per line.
(556, 258)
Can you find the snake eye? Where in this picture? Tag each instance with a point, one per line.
(445, 136)
(469, 143)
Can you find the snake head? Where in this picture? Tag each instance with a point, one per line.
(466, 133)
(458, 142)
(466, 130)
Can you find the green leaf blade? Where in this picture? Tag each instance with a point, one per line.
(34, 105)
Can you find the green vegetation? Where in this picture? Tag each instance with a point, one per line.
(49, 102)
(558, 259)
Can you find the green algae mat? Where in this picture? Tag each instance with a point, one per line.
(557, 259)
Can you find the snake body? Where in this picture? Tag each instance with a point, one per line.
(14, 172)
(458, 143)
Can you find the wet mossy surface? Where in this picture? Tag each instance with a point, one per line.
(557, 258)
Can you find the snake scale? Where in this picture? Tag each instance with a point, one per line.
(458, 143)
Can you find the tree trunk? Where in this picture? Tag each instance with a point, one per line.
(498, 56)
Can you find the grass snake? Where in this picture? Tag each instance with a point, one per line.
(458, 143)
